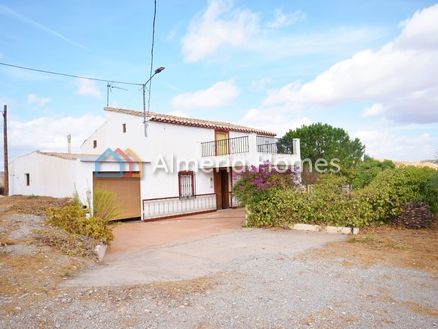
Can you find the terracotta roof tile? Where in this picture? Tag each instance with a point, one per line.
(171, 119)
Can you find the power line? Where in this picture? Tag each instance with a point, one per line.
(152, 55)
(151, 75)
(70, 75)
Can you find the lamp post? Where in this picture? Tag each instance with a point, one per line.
(158, 70)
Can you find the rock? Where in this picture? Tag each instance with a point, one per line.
(306, 227)
(100, 251)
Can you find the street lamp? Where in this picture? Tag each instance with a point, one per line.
(157, 70)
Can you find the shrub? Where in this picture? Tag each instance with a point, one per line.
(365, 172)
(393, 188)
(326, 204)
(255, 183)
(98, 229)
(72, 219)
(67, 243)
(104, 205)
(322, 206)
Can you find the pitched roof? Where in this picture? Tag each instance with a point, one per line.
(172, 119)
(62, 155)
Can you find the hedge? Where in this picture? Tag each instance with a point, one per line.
(326, 204)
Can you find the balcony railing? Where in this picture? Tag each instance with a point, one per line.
(274, 145)
(225, 146)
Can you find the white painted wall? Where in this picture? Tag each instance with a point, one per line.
(49, 175)
(165, 146)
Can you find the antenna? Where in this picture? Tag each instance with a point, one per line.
(109, 86)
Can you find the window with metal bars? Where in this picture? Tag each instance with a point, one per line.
(186, 181)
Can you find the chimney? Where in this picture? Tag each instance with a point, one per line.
(69, 143)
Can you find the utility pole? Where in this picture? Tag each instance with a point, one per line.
(145, 118)
(5, 150)
(69, 143)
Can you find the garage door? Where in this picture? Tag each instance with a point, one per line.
(126, 191)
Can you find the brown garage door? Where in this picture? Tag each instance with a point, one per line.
(126, 191)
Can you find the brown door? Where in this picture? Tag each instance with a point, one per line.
(126, 192)
(221, 186)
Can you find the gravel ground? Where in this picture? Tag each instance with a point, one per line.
(271, 290)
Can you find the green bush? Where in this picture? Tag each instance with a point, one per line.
(104, 205)
(367, 170)
(98, 229)
(72, 218)
(326, 204)
(393, 188)
(322, 206)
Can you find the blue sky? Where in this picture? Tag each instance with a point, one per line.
(363, 66)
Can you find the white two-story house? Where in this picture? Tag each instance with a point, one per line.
(167, 167)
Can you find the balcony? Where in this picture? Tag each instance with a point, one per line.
(236, 145)
(249, 150)
(274, 145)
(225, 146)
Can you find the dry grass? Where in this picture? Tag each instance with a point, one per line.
(25, 279)
(387, 245)
(179, 289)
(35, 273)
(34, 205)
(162, 292)
(421, 309)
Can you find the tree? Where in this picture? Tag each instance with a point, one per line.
(322, 141)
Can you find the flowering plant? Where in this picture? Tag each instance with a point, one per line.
(255, 182)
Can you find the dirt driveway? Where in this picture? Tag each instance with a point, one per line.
(136, 236)
(190, 247)
(218, 275)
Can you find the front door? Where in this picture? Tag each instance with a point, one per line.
(221, 188)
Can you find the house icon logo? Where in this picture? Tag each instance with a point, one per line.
(122, 163)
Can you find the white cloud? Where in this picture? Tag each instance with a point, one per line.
(218, 95)
(222, 26)
(49, 133)
(34, 99)
(284, 20)
(179, 114)
(87, 88)
(373, 110)
(382, 144)
(219, 25)
(260, 84)
(275, 121)
(397, 76)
